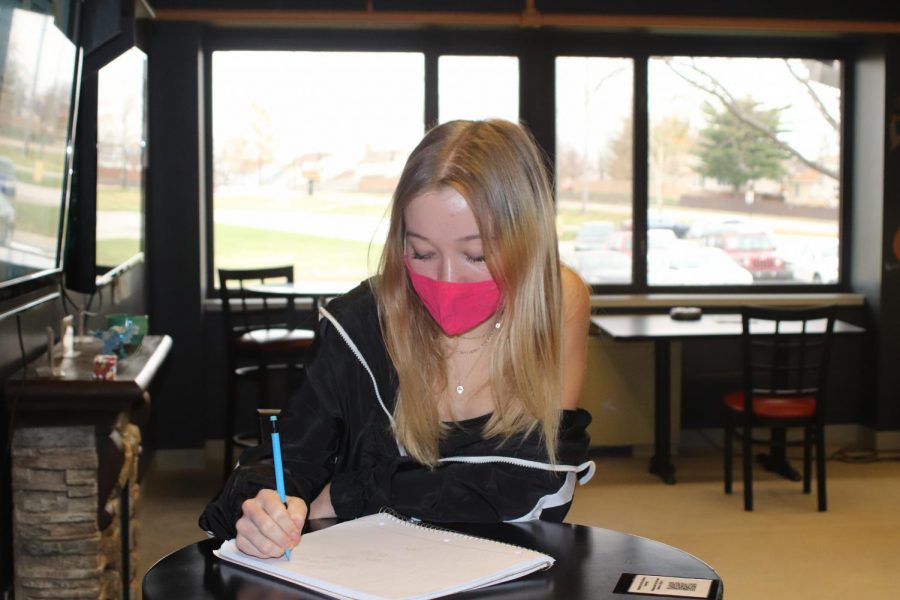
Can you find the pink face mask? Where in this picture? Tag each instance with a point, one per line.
(456, 307)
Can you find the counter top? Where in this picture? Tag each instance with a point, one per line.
(34, 390)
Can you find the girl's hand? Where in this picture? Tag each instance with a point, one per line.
(266, 529)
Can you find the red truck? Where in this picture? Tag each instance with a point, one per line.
(752, 249)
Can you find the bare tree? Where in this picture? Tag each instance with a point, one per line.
(589, 93)
(813, 94)
(704, 81)
(263, 133)
(670, 138)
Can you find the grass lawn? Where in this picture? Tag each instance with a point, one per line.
(25, 163)
(114, 251)
(315, 258)
(37, 218)
(115, 198)
(334, 203)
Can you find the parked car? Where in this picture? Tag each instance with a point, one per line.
(7, 177)
(688, 263)
(657, 239)
(751, 248)
(7, 220)
(592, 235)
(699, 229)
(657, 221)
(818, 263)
(603, 266)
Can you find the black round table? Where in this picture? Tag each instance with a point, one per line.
(589, 563)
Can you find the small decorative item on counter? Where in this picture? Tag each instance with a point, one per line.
(67, 337)
(55, 369)
(105, 367)
(127, 321)
(118, 339)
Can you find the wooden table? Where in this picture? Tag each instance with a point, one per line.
(589, 564)
(662, 330)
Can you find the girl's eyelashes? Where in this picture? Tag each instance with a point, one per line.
(430, 255)
(415, 255)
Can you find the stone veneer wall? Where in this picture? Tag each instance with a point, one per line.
(58, 548)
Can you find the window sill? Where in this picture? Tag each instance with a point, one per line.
(723, 300)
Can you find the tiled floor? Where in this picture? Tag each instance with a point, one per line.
(784, 549)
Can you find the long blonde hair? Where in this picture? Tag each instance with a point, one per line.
(496, 166)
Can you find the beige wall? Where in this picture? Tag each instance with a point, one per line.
(618, 391)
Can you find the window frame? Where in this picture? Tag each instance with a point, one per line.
(537, 51)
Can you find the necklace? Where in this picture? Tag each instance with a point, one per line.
(482, 336)
(487, 338)
(460, 388)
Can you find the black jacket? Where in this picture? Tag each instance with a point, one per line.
(337, 429)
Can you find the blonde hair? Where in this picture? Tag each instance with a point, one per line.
(496, 166)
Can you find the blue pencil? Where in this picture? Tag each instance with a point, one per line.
(279, 469)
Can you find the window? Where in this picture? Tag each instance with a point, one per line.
(307, 150)
(744, 156)
(478, 87)
(593, 166)
(120, 158)
(679, 162)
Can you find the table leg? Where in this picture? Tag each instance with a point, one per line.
(776, 461)
(661, 463)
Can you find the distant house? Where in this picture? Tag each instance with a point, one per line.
(808, 187)
(379, 170)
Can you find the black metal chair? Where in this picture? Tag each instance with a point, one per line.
(785, 354)
(262, 336)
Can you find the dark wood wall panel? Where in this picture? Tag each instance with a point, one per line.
(889, 319)
(174, 228)
(874, 10)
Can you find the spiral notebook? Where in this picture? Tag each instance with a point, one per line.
(384, 556)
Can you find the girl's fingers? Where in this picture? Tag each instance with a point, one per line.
(267, 525)
(297, 511)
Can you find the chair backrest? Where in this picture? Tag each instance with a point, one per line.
(786, 351)
(264, 311)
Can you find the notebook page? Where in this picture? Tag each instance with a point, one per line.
(383, 557)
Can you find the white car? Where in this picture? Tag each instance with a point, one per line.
(817, 263)
(603, 266)
(592, 235)
(687, 263)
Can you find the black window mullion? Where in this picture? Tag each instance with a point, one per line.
(207, 241)
(431, 88)
(537, 96)
(640, 174)
(845, 196)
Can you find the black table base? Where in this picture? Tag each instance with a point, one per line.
(661, 463)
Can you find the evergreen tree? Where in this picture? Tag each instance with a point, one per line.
(735, 153)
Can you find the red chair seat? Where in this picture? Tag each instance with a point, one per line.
(774, 407)
(276, 340)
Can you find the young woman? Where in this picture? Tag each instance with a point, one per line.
(445, 387)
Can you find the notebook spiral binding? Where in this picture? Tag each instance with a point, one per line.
(413, 522)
